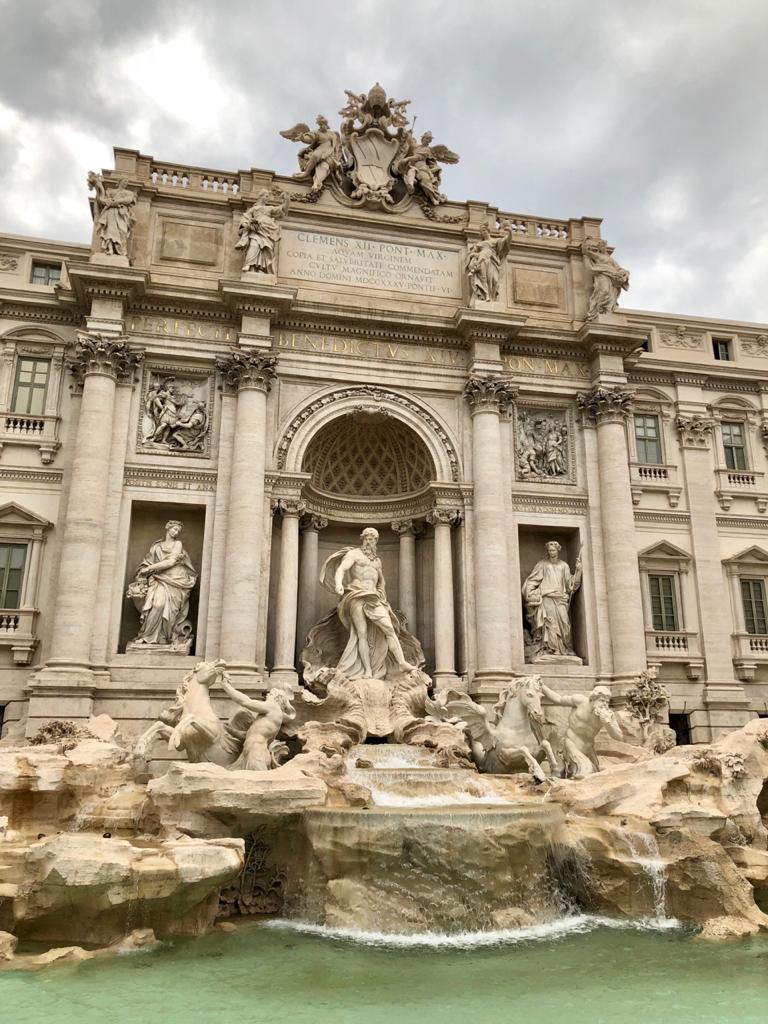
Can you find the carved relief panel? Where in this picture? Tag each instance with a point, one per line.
(175, 417)
(544, 444)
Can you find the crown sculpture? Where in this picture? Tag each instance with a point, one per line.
(374, 157)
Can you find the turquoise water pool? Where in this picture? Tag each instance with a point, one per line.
(577, 972)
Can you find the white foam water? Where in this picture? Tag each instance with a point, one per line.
(383, 798)
(546, 931)
(653, 865)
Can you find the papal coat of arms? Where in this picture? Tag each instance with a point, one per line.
(374, 157)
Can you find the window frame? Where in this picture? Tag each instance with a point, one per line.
(727, 342)
(42, 265)
(642, 441)
(33, 388)
(673, 579)
(729, 447)
(6, 568)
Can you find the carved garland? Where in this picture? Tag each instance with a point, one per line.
(374, 395)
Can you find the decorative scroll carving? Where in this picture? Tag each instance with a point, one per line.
(608, 278)
(103, 354)
(176, 413)
(542, 444)
(680, 338)
(248, 368)
(113, 214)
(371, 398)
(694, 431)
(485, 393)
(8, 262)
(605, 405)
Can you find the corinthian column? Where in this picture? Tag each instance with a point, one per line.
(486, 397)
(251, 373)
(284, 669)
(407, 530)
(609, 408)
(443, 519)
(99, 361)
(308, 578)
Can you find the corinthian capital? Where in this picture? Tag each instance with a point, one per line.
(103, 354)
(289, 507)
(489, 393)
(694, 431)
(606, 405)
(406, 526)
(248, 368)
(443, 517)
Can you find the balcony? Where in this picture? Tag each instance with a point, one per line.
(17, 631)
(661, 478)
(738, 483)
(680, 646)
(41, 432)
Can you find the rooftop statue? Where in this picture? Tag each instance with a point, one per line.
(113, 214)
(259, 230)
(374, 157)
(363, 637)
(608, 277)
(484, 259)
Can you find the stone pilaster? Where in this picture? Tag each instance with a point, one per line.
(725, 704)
(407, 530)
(309, 583)
(63, 688)
(284, 670)
(251, 374)
(486, 396)
(443, 520)
(608, 408)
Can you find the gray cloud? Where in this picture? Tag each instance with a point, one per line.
(650, 115)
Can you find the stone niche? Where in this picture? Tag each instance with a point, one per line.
(531, 541)
(148, 519)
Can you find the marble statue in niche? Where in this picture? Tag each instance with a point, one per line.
(259, 230)
(175, 418)
(547, 595)
(608, 278)
(484, 260)
(160, 591)
(542, 444)
(114, 214)
(363, 637)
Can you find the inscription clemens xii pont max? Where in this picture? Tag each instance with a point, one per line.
(369, 263)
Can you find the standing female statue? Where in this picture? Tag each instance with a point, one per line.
(484, 259)
(259, 230)
(608, 278)
(114, 214)
(161, 592)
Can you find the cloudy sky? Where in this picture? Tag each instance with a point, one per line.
(652, 115)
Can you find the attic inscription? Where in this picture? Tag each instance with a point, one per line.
(370, 263)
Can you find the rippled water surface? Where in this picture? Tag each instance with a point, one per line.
(575, 972)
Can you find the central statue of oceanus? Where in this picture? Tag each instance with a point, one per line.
(363, 637)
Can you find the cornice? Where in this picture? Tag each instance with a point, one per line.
(365, 330)
(670, 518)
(557, 504)
(257, 297)
(160, 477)
(44, 314)
(743, 522)
(107, 281)
(37, 476)
(474, 323)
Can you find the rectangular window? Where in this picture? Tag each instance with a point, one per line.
(647, 439)
(734, 445)
(721, 349)
(12, 558)
(46, 273)
(753, 599)
(663, 602)
(30, 386)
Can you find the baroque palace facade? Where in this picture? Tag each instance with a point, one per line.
(277, 362)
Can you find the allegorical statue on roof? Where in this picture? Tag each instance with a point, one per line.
(374, 157)
(259, 230)
(113, 214)
(608, 278)
(484, 259)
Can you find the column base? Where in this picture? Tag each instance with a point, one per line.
(60, 690)
(246, 675)
(488, 684)
(449, 681)
(287, 678)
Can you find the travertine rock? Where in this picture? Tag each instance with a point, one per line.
(207, 800)
(8, 945)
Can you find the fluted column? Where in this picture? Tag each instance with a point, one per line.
(251, 374)
(284, 670)
(486, 396)
(308, 577)
(443, 520)
(407, 531)
(99, 361)
(608, 408)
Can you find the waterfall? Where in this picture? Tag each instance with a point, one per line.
(648, 857)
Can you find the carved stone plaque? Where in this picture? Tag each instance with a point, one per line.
(187, 242)
(535, 287)
(543, 444)
(369, 263)
(176, 411)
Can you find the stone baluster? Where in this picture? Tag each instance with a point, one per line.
(407, 531)
(251, 374)
(486, 396)
(608, 408)
(99, 362)
(443, 520)
(309, 583)
(284, 670)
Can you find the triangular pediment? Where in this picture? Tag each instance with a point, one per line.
(664, 549)
(12, 514)
(754, 555)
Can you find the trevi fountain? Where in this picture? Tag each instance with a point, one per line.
(420, 779)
